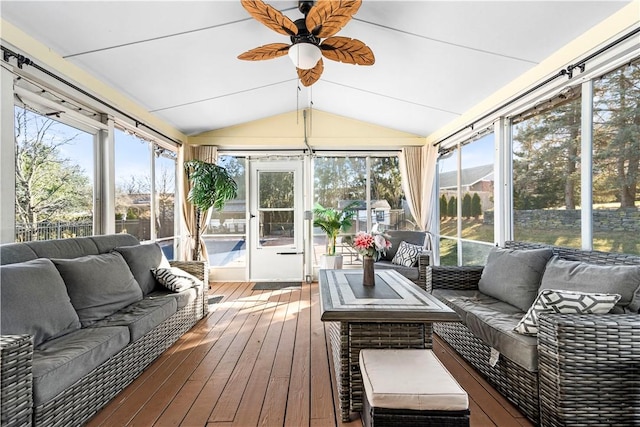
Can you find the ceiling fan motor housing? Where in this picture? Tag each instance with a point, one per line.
(304, 36)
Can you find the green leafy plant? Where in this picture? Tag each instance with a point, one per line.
(332, 221)
(211, 187)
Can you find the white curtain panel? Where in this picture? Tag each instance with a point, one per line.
(418, 171)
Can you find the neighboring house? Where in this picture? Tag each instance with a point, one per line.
(478, 179)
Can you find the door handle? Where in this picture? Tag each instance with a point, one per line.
(251, 216)
(289, 253)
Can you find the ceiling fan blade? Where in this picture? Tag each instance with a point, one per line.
(309, 77)
(345, 49)
(327, 17)
(270, 16)
(268, 51)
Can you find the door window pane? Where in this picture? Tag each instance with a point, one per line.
(54, 178)
(546, 176)
(616, 161)
(276, 208)
(133, 185)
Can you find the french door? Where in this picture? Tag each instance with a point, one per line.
(276, 220)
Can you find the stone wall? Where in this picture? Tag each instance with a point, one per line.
(621, 220)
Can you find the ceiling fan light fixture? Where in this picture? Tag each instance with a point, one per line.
(305, 55)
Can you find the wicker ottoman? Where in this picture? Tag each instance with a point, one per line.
(410, 388)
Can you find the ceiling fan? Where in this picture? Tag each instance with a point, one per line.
(322, 19)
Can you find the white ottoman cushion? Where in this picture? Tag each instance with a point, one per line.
(410, 379)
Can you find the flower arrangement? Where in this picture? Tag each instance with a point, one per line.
(371, 244)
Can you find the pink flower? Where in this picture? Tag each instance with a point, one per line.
(371, 244)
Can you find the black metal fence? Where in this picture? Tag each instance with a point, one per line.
(141, 228)
(52, 230)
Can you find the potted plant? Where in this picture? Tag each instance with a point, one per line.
(333, 221)
(211, 187)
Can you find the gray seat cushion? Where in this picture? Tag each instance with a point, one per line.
(182, 298)
(141, 260)
(61, 362)
(493, 321)
(34, 301)
(461, 301)
(624, 280)
(141, 317)
(99, 285)
(514, 276)
(410, 273)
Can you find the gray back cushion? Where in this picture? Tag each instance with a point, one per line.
(11, 253)
(99, 285)
(141, 260)
(34, 301)
(612, 279)
(397, 236)
(514, 276)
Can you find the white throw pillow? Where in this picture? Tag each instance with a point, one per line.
(407, 254)
(175, 279)
(568, 302)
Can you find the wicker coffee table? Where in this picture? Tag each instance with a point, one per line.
(393, 314)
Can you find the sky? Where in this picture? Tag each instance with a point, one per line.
(478, 153)
(131, 155)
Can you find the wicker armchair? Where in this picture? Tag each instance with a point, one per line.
(588, 365)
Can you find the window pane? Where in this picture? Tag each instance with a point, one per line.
(165, 173)
(475, 253)
(339, 181)
(225, 235)
(546, 176)
(448, 251)
(616, 161)
(54, 178)
(448, 193)
(133, 185)
(390, 209)
(477, 189)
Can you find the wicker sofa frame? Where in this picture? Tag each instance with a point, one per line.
(87, 396)
(588, 365)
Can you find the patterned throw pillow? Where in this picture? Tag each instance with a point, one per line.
(175, 279)
(568, 302)
(407, 254)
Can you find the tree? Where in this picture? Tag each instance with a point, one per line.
(546, 158)
(616, 159)
(443, 206)
(476, 206)
(452, 207)
(165, 193)
(49, 187)
(386, 181)
(466, 206)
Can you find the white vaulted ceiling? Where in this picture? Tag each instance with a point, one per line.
(434, 59)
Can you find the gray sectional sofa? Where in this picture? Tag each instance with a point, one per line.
(81, 319)
(580, 368)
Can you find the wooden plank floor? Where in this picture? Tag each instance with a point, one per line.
(260, 358)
